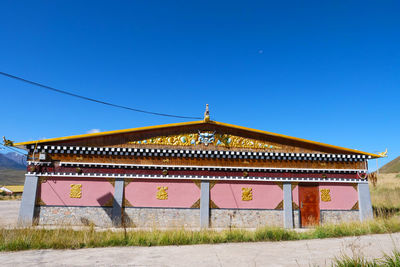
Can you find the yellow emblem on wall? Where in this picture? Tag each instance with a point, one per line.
(326, 195)
(162, 192)
(247, 194)
(76, 191)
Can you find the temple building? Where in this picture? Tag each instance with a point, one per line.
(193, 174)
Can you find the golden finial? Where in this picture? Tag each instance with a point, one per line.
(383, 154)
(207, 114)
(7, 142)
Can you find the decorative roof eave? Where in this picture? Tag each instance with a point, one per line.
(22, 144)
(197, 177)
(185, 167)
(138, 152)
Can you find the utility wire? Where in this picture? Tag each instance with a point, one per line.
(13, 149)
(92, 99)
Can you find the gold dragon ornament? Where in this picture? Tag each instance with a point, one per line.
(76, 191)
(7, 142)
(326, 195)
(247, 194)
(162, 193)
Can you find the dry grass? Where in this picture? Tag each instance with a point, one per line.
(10, 197)
(385, 195)
(34, 238)
(390, 260)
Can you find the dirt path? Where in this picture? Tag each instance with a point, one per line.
(318, 252)
(9, 212)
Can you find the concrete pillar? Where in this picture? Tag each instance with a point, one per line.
(27, 208)
(287, 205)
(205, 204)
(116, 214)
(364, 202)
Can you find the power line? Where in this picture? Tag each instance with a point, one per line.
(92, 99)
(13, 149)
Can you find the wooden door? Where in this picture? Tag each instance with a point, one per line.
(309, 205)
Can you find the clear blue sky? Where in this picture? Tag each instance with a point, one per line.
(328, 71)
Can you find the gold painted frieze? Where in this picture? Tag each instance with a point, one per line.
(207, 138)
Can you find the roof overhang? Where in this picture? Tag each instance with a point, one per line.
(131, 130)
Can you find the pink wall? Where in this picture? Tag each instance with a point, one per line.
(295, 195)
(181, 194)
(229, 195)
(95, 192)
(343, 196)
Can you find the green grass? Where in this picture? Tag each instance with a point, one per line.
(35, 238)
(389, 260)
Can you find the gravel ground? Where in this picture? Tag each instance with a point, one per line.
(9, 212)
(317, 252)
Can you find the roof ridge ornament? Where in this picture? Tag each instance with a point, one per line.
(207, 114)
(7, 142)
(383, 154)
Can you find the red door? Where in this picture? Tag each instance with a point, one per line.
(309, 205)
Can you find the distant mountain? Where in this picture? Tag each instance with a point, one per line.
(12, 168)
(20, 159)
(10, 161)
(391, 167)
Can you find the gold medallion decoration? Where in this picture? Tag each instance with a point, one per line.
(279, 206)
(40, 202)
(247, 194)
(126, 203)
(325, 195)
(355, 206)
(162, 193)
(111, 181)
(206, 138)
(76, 191)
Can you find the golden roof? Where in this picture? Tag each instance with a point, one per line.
(194, 123)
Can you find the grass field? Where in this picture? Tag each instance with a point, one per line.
(12, 177)
(62, 238)
(389, 260)
(385, 195)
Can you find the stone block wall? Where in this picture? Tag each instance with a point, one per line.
(81, 216)
(162, 217)
(179, 217)
(338, 216)
(240, 218)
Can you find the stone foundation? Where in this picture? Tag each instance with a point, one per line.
(55, 215)
(179, 217)
(226, 218)
(338, 216)
(162, 217)
(296, 218)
